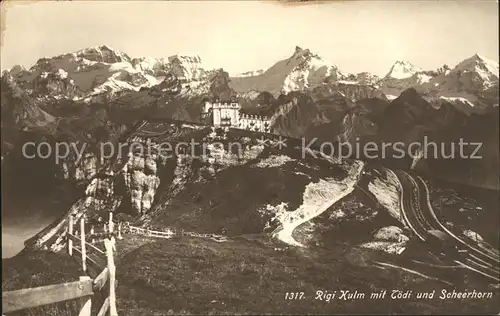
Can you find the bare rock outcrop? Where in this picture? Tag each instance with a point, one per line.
(141, 180)
(388, 239)
(390, 233)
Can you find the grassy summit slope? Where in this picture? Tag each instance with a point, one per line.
(250, 275)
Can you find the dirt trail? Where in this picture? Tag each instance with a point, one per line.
(318, 197)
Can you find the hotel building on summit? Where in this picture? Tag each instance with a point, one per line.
(229, 114)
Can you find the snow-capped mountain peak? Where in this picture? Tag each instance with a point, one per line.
(310, 70)
(486, 69)
(402, 70)
(471, 86)
(479, 61)
(301, 71)
(301, 53)
(103, 53)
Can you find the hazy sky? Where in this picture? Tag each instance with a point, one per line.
(247, 35)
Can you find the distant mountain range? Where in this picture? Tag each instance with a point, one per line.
(471, 86)
(102, 72)
(95, 72)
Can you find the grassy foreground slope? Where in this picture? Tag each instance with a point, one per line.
(250, 275)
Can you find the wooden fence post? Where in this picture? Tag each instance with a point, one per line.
(82, 240)
(109, 243)
(111, 224)
(120, 230)
(70, 232)
(87, 306)
(92, 234)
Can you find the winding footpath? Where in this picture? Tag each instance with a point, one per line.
(327, 193)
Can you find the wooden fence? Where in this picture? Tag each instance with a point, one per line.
(148, 232)
(102, 262)
(169, 234)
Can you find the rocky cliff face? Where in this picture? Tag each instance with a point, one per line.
(319, 112)
(140, 178)
(220, 87)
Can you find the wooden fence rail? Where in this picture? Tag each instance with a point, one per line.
(148, 232)
(101, 279)
(86, 287)
(28, 298)
(90, 245)
(170, 234)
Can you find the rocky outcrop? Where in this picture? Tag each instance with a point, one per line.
(56, 84)
(142, 181)
(388, 239)
(388, 247)
(87, 168)
(473, 235)
(220, 88)
(101, 188)
(390, 233)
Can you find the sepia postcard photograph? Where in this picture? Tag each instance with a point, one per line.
(250, 158)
